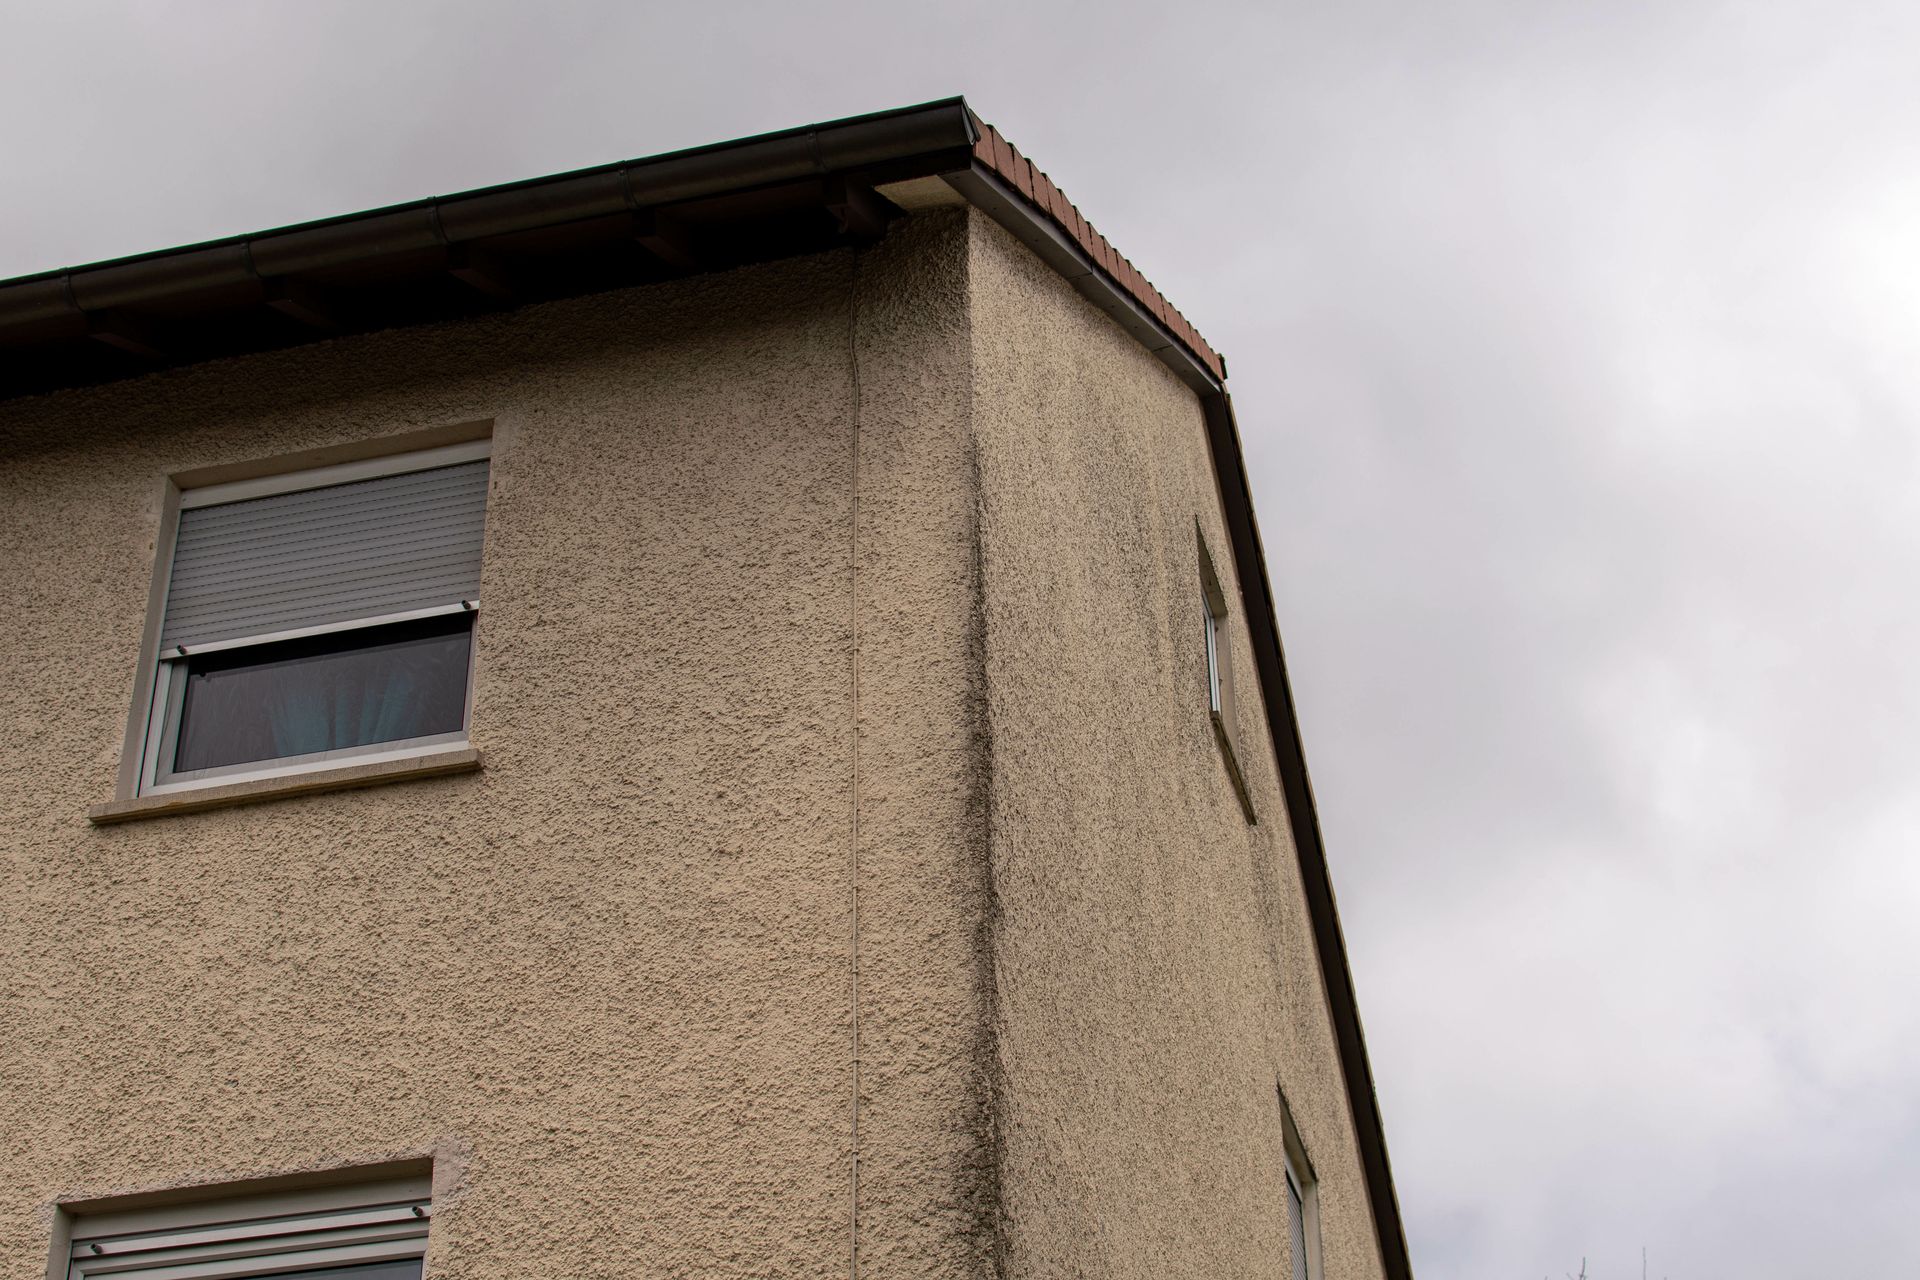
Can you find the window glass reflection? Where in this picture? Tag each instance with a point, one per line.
(404, 1269)
(347, 689)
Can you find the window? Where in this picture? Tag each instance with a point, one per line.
(1303, 1202)
(1219, 651)
(363, 1231)
(317, 618)
(1218, 642)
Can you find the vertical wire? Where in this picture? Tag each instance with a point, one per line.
(853, 852)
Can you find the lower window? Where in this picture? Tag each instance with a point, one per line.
(301, 701)
(375, 1231)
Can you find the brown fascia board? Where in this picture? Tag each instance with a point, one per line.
(942, 138)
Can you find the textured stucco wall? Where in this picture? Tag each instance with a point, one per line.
(841, 608)
(1155, 973)
(607, 978)
(927, 1193)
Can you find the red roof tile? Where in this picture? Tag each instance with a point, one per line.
(999, 155)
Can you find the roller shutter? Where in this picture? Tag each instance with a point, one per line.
(321, 556)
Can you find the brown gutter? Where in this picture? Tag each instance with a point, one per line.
(855, 144)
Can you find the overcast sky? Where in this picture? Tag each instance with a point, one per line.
(1577, 351)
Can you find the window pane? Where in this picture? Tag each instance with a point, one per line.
(348, 689)
(404, 1269)
(1213, 661)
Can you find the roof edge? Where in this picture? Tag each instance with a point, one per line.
(995, 155)
(927, 126)
(437, 222)
(943, 138)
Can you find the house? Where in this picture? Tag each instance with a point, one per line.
(713, 716)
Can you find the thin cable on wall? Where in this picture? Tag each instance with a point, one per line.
(853, 851)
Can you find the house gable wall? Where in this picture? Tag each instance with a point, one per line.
(1156, 978)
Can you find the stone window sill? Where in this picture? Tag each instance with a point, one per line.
(428, 764)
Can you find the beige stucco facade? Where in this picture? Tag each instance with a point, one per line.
(1155, 976)
(847, 781)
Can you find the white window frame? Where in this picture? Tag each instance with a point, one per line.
(226, 1239)
(160, 720)
(1215, 700)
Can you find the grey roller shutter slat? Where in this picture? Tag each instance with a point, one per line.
(425, 512)
(332, 500)
(338, 604)
(230, 575)
(323, 556)
(1297, 1227)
